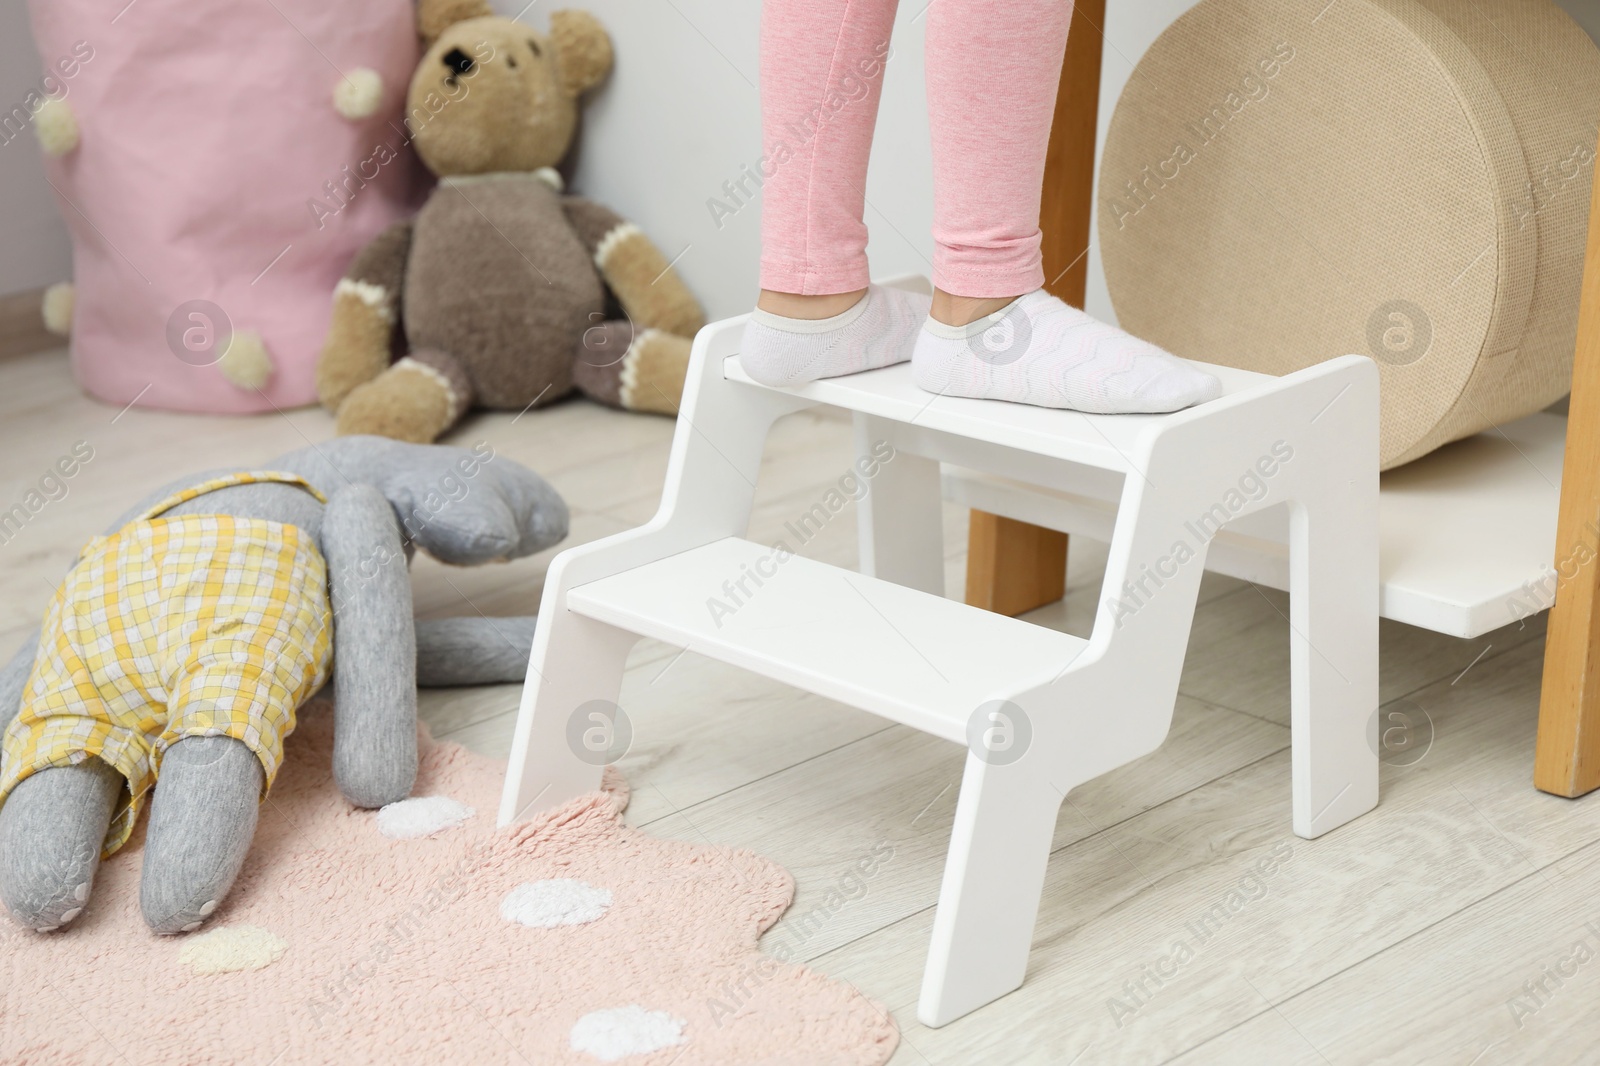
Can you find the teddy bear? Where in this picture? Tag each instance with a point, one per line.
(507, 290)
(183, 641)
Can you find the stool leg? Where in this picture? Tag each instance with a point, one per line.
(568, 714)
(1333, 663)
(989, 899)
(901, 518)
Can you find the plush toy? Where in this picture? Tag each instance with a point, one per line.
(182, 642)
(500, 284)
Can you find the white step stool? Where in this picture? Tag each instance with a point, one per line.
(1041, 711)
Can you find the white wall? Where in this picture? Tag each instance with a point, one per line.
(681, 114)
(1585, 13)
(33, 239)
(679, 117)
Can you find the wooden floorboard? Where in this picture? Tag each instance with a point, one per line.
(1408, 936)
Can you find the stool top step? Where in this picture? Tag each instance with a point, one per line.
(922, 660)
(1105, 441)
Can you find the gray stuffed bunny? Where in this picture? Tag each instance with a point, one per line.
(183, 640)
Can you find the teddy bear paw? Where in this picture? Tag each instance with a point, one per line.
(411, 401)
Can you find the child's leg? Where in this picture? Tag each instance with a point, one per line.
(822, 65)
(821, 76)
(992, 71)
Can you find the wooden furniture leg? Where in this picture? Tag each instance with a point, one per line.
(1567, 759)
(1013, 567)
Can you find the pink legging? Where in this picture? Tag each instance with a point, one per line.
(992, 71)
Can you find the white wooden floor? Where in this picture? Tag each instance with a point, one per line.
(1182, 920)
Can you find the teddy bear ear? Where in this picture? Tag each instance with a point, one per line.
(435, 16)
(583, 49)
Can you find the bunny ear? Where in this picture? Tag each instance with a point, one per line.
(435, 16)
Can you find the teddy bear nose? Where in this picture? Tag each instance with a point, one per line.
(457, 60)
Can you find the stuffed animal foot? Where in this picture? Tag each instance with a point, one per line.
(639, 370)
(415, 400)
(202, 817)
(52, 828)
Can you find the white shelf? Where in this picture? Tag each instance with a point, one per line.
(1464, 532)
(885, 648)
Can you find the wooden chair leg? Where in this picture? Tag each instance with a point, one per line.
(1024, 566)
(1013, 567)
(1567, 761)
(1068, 201)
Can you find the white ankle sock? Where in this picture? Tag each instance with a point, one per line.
(879, 330)
(1038, 350)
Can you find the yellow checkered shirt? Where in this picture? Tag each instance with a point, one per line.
(187, 625)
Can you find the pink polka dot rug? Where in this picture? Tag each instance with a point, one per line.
(424, 934)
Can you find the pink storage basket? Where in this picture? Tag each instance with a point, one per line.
(207, 134)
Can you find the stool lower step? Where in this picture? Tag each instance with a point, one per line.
(909, 656)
